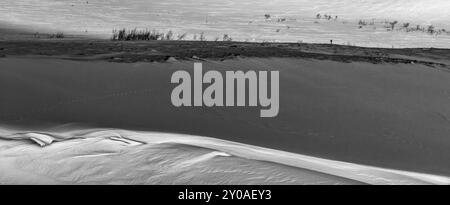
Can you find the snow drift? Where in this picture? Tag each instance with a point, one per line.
(115, 156)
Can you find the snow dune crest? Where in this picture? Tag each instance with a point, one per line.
(122, 156)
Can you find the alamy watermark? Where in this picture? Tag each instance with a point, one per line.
(213, 94)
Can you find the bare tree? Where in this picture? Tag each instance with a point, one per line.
(393, 24)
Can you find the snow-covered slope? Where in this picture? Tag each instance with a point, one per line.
(242, 20)
(112, 156)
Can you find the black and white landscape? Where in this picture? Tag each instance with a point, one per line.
(85, 92)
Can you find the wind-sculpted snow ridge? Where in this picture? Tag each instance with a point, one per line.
(114, 156)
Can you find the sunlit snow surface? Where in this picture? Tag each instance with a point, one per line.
(113, 156)
(242, 20)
